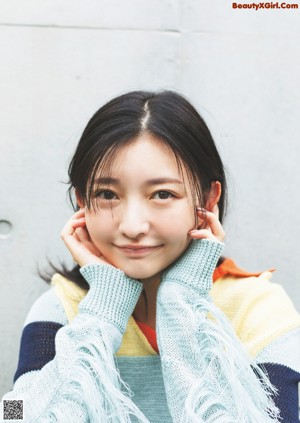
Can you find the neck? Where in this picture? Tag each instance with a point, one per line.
(145, 309)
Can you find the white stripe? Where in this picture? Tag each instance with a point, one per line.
(285, 351)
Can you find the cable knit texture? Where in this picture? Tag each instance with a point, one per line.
(203, 373)
(109, 295)
(81, 383)
(209, 377)
(196, 266)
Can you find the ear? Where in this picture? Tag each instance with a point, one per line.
(214, 195)
(79, 199)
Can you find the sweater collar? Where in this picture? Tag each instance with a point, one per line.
(229, 268)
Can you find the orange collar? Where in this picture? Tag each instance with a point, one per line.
(228, 267)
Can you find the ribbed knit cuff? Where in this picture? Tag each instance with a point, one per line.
(112, 295)
(196, 266)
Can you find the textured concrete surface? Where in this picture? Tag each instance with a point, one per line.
(61, 60)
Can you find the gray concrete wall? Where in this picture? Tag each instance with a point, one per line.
(62, 59)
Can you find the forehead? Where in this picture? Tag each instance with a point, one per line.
(145, 161)
(145, 156)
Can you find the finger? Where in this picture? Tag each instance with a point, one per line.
(79, 214)
(75, 235)
(202, 221)
(69, 229)
(202, 234)
(213, 223)
(83, 234)
(215, 210)
(72, 225)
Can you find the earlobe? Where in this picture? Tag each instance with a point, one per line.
(214, 195)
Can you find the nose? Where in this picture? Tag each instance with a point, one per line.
(134, 221)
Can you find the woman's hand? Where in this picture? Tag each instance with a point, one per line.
(195, 267)
(77, 239)
(213, 229)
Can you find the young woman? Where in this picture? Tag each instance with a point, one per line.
(152, 325)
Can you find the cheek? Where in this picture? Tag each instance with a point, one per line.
(176, 223)
(99, 227)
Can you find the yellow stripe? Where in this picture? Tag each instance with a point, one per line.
(69, 294)
(134, 342)
(260, 312)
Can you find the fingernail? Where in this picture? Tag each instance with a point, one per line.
(201, 209)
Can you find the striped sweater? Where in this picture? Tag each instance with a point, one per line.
(84, 358)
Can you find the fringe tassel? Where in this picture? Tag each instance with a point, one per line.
(95, 388)
(230, 390)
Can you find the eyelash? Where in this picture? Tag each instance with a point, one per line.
(164, 191)
(98, 194)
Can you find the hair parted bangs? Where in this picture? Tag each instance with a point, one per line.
(166, 116)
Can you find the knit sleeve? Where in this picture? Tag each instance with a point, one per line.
(207, 373)
(80, 382)
(281, 360)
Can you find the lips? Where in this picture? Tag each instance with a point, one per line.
(138, 250)
(137, 247)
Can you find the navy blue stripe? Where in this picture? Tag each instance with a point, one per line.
(286, 381)
(37, 346)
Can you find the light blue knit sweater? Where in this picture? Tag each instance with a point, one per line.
(207, 375)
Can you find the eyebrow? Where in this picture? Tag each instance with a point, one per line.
(105, 180)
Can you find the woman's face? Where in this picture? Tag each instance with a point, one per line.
(145, 210)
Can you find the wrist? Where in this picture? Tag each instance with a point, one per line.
(112, 295)
(196, 266)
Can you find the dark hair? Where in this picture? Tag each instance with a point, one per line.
(165, 115)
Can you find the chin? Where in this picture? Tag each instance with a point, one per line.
(138, 273)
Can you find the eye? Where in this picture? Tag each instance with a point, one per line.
(106, 195)
(163, 195)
